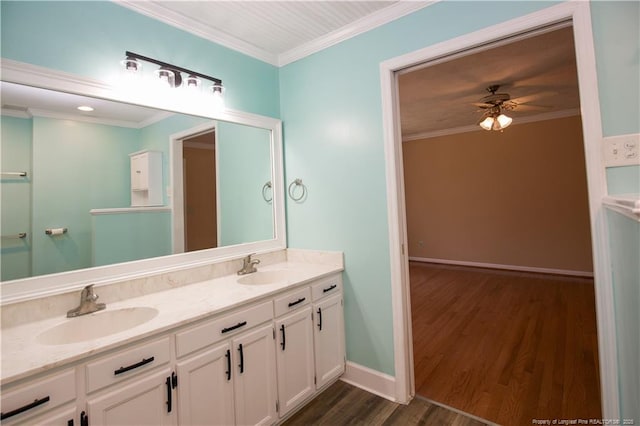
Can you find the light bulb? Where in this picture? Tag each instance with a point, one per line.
(487, 123)
(504, 121)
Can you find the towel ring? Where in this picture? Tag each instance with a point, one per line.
(297, 182)
(265, 188)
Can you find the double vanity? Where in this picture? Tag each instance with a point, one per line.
(226, 349)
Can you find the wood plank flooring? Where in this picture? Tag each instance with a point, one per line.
(505, 346)
(343, 404)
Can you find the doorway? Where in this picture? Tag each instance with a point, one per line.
(579, 16)
(199, 191)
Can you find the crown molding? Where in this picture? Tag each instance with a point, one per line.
(156, 11)
(362, 25)
(472, 128)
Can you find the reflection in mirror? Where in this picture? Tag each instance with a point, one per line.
(106, 177)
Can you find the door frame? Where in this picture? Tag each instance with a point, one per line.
(578, 13)
(177, 183)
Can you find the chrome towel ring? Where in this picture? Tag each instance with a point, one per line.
(292, 188)
(265, 188)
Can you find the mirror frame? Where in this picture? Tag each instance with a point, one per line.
(51, 284)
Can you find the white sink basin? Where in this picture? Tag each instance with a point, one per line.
(267, 277)
(96, 325)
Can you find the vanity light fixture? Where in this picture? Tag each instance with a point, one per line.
(171, 76)
(495, 119)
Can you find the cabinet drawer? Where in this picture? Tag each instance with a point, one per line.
(38, 396)
(126, 363)
(227, 325)
(326, 287)
(291, 301)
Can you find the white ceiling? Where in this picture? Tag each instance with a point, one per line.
(277, 32)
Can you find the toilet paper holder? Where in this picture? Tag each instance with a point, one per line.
(55, 231)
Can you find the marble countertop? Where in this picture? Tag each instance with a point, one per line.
(23, 355)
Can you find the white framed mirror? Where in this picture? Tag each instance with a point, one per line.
(247, 204)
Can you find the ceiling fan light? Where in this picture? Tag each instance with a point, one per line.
(504, 121)
(487, 123)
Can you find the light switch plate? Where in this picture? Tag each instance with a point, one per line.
(622, 150)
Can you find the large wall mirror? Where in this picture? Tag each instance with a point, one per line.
(129, 188)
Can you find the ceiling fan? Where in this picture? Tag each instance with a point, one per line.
(496, 103)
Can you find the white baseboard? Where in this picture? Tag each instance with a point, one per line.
(506, 267)
(370, 380)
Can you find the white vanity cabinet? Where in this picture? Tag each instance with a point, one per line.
(252, 365)
(37, 402)
(328, 331)
(233, 379)
(294, 349)
(146, 178)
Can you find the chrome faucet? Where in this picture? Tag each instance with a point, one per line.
(87, 303)
(248, 265)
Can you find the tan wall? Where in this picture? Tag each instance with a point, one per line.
(513, 198)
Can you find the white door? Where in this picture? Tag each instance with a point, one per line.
(146, 400)
(294, 358)
(328, 333)
(205, 391)
(140, 172)
(255, 377)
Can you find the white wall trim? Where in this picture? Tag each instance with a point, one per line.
(504, 267)
(367, 23)
(579, 13)
(475, 128)
(370, 380)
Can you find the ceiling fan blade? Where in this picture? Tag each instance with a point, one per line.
(528, 98)
(482, 104)
(525, 107)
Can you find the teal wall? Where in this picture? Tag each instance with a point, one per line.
(331, 109)
(15, 205)
(244, 166)
(122, 237)
(625, 254)
(616, 33)
(76, 167)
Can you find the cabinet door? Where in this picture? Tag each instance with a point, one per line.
(140, 172)
(205, 391)
(328, 336)
(294, 358)
(255, 377)
(146, 400)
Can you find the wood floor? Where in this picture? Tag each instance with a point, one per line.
(505, 346)
(343, 404)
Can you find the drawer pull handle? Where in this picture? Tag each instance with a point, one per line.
(132, 366)
(324, 290)
(228, 356)
(283, 344)
(241, 358)
(302, 299)
(168, 383)
(320, 318)
(234, 327)
(27, 407)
